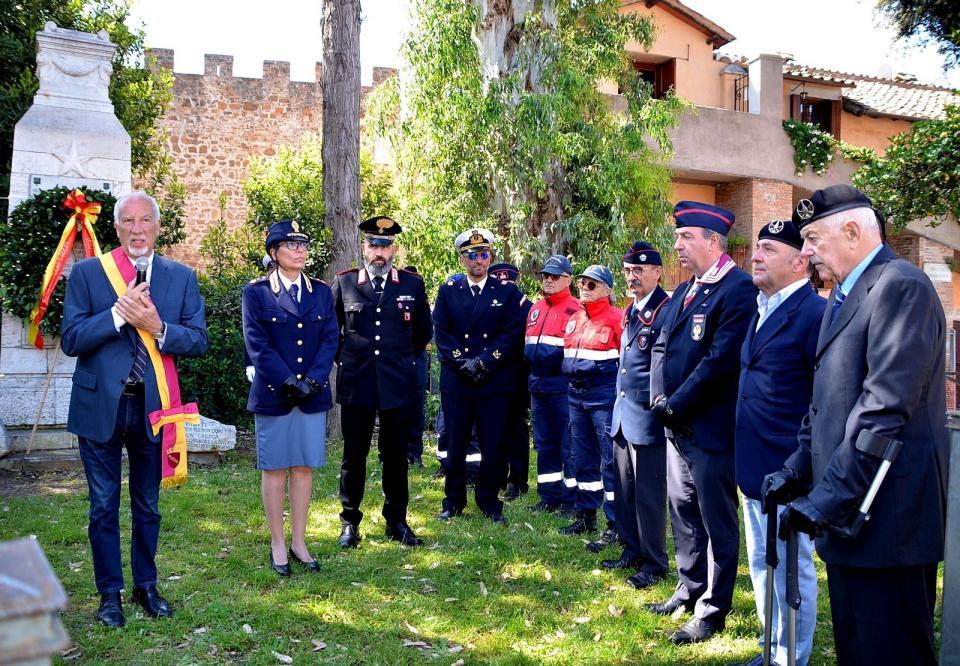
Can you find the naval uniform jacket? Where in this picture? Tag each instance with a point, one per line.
(879, 373)
(543, 341)
(485, 327)
(696, 360)
(285, 338)
(381, 336)
(776, 380)
(632, 418)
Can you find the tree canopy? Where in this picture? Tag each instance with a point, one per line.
(936, 20)
(498, 120)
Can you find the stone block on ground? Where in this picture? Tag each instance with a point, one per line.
(210, 436)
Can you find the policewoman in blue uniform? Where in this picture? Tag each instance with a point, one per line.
(477, 322)
(639, 445)
(290, 333)
(694, 377)
(384, 321)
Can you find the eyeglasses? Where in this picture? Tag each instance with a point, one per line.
(587, 285)
(633, 270)
(293, 246)
(473, 256)
(548, 277)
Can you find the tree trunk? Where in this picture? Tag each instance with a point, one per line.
(341, 142)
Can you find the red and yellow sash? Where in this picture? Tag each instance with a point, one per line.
(172, 414)
(84, 215)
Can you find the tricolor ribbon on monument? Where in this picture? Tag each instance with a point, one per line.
(84, 215)
(172, 415)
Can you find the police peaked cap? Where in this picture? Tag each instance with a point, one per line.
(286, 230)
(505, 271)
(474, 239)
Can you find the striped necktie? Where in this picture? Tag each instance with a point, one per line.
(139, 362)
(838, 298)
(294, 292)
(691, 292)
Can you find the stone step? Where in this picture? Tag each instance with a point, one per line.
(44, 460)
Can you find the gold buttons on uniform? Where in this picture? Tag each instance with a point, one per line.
(466, 335)
(377, 323)
(299, 376)
(376, 337)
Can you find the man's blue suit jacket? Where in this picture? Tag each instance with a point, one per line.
(105, 356)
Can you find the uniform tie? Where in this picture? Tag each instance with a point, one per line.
(378, 284)
(838, 298)
(691, 292)
(295, 292)
(475, 289)
(139, 362)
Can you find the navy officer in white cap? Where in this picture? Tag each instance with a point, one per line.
(477, 321)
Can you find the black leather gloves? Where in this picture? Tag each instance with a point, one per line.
(780, 487)
(802, 515)
(666, 416)
(294, 391)
(474, 371)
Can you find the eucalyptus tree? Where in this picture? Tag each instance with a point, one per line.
(498, 118)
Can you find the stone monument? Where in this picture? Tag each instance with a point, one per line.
(70, 136)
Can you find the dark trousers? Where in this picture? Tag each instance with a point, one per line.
(592, 449)
(883, 616)
(101, 463)
(516, 440)
(357, 426)
(443, 445)
(462, 414)
(702, 493)
(640, 501)
(418, 418)
(556, 471)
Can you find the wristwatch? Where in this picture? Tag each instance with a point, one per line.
(163, 329)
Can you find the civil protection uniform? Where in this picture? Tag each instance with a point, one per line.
(382, 334)
(696, 365)
(550, 409)
(591, 356)
(516, 430)
(776, 381)
(484, 327)
(639, 444)
(868, 389)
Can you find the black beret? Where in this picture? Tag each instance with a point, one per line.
(784, 231)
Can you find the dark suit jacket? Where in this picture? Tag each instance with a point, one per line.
(880, 368)
(105, 356)
(776, 380)
(285, 338)
(381, 335)
(632, 418)
(487, 327)
(696, 360)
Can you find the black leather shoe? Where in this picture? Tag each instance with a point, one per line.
(310, 565)
(584, 523)
(496, 518)
(349, 536)
(642, 580)
(401, 532)
(695, 630)
(280, 569)
(626, 561)
(110, 612)
(151, 602)
(668, 607)
(607, 539)
(447, 515)
(545, 507)
(513, 492)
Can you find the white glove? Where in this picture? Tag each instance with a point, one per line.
(251, 373)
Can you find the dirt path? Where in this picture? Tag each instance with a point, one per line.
(13, 484)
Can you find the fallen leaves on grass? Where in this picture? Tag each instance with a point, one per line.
(318, 645)
(247, 629)
(614, 611)
(282, 658)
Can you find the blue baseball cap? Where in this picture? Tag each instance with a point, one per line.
(598, 272)
(557, 265)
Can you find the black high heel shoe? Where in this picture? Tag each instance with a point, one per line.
(310, 565)
(281, 569)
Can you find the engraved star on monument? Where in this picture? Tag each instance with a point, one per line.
(71, 161)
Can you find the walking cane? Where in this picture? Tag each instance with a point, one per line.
(772, 562)
(793, 596)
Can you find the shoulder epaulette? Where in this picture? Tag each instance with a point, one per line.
(262, 278)
(316, 279)
(349, 270)
(416, 275)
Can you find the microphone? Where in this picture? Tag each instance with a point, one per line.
(141, 265)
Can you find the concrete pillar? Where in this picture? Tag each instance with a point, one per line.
(766, 85)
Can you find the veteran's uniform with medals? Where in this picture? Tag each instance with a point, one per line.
(382, 334)
(473, 329)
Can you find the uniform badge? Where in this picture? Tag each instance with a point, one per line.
(646, 314)
(534, 316)
(456, 353)
(571, 325)
(775, 227)
(642, 342)
(406, 316)
(699, 324)
(805, 209)
(496, 354)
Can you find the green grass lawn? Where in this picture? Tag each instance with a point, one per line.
(477, 592)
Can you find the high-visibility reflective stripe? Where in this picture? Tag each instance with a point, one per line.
(608, 496)
(570, 483)
(473, 457)
(553, 477)
(592, 354)
(441, 455)
(590, 486)
(552, 340)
